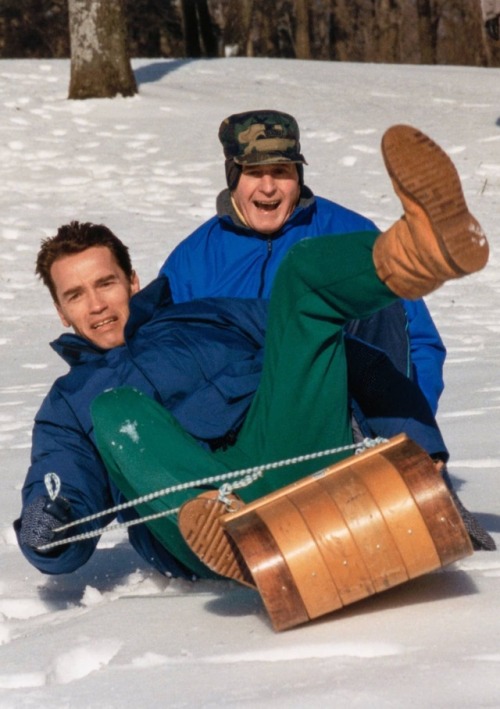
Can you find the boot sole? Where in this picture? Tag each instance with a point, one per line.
(199, 524)
(423, 172)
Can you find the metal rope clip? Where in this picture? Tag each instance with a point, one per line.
(229, 502)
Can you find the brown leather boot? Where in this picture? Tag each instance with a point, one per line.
(437, 239)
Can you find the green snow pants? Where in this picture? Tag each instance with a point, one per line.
(301, 405)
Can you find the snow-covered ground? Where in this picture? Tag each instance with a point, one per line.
(116, 634)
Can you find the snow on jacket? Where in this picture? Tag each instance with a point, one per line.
(225, 258)
(193, 358)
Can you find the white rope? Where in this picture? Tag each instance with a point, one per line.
(247, 475)
(103, 530)
(227, 488)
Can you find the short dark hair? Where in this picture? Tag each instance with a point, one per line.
(74, 238)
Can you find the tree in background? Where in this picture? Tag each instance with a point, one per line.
(392, 31)
(302, 30)
(199, 31)
(155, 28)
(30, 29)
(418, 32)
(100, 64)
(235, 19)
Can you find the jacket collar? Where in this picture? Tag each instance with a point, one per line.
(227, 213)
(75, 349)
(145, 303)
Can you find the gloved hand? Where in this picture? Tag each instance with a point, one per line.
(481, 540)
(493, 27)
(41, 518)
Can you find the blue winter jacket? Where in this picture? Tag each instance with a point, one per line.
(225, 258)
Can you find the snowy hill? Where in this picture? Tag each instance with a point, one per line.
(116, 634)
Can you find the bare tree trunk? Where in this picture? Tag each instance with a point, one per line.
(100, 65)
(460, 37)
(207, 29)
(263, 35)
(427, 31)
(302, 43)
(321, 26)
(247, 13)
(236, 30)
(190, 25)
(199, 35)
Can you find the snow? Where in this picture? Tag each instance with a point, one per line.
(115, 633)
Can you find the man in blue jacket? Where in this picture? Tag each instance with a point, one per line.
(265, 210)
(200, 360)
(198, 364)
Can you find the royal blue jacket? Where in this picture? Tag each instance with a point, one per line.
(225, 258)
(202, 360)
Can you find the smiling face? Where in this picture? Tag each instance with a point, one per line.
(93, 295)
(266, 195)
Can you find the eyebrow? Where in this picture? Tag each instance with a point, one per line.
(99, 282)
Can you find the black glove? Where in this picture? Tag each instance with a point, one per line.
(493, 27)
(481, 540)
(40, 518)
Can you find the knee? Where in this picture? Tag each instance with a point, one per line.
(113, 402)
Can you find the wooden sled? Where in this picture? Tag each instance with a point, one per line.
(359, 527)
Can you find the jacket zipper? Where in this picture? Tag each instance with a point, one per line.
(264, 268)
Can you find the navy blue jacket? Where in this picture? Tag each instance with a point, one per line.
(202, 360)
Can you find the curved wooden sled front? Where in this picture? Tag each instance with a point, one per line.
(351, 530)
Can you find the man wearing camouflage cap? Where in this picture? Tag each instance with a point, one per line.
(265, 210)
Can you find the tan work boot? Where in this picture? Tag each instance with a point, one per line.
(437, 239)
(199, 524)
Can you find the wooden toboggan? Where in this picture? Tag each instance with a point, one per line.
(359, 527)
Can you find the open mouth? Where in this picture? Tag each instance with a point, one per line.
(102, 323)
(268, 206)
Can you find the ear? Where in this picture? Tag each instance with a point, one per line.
(135, 285)
(61, 315)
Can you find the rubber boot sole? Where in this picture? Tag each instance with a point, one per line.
(199, 524)
(422, 173)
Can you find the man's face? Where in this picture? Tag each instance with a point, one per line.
(266, 195)
(93, 295)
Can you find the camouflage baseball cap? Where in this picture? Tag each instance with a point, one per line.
(260, 138)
